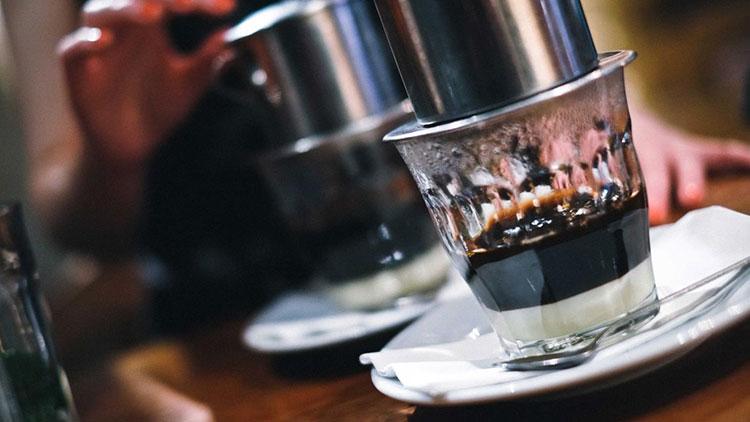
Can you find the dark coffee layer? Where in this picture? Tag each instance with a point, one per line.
(363, 246)
(570, 261)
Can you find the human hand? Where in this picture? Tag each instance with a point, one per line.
(676, 161)
(129, 86)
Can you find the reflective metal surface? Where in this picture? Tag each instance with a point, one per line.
(458, 58)
(316, 65)
(609, 62)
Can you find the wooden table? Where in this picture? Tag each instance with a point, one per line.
(711, 383)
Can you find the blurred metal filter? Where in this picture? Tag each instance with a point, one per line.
(317, 66)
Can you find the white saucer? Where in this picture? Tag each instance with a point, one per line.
(306, 320)
(441, 325)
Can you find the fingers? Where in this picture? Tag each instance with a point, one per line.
(724, 154)
(112, 13)
(104, 13)
(657, 175)
(198, 68)
(84, 42)
(209, 7)
(80, 52)
(690, 175)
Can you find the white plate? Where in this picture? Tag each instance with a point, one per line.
(306, 320)
(441, 325)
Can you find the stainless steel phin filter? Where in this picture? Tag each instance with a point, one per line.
(316, 66)
(459, 58)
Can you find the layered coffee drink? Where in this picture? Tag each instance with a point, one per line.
(552, 237)
(553, 248)
(359, 218)
(564, 266)
(542, 206)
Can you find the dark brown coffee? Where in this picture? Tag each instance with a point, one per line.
(557, 257)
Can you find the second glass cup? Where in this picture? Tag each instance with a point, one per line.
(352, 203)
(322, 76)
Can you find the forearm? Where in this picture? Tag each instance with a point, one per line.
(85, 202)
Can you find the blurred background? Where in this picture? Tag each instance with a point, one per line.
(13, 157)
(693, 66)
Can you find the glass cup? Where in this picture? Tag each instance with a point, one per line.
(358, 215)
(542, 207)
(32, 384)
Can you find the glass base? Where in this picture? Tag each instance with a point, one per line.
(420, 277)
(578, 342)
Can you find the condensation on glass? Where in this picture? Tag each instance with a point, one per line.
(542, 206)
